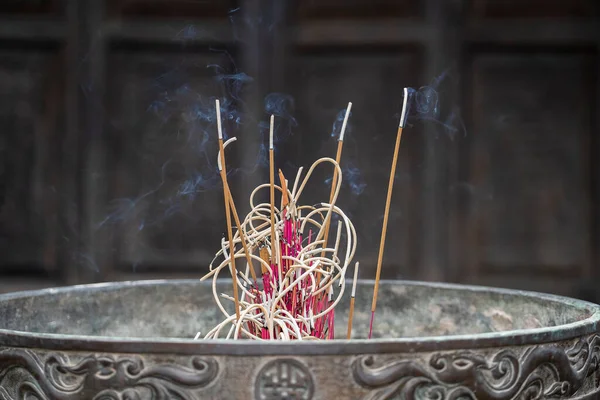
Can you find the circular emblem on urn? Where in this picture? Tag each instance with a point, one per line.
(284, 379)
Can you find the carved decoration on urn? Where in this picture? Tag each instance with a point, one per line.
(60, 376)
(554, 370)
(284, 379)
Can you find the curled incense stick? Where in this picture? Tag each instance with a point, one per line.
(227, 143)
(386, 213)
(226, 196)
(299, 308)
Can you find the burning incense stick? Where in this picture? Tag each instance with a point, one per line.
(272, 193)
(338, 158)
(226, 195)
(338, 155)
(352, 296)
(387, 208)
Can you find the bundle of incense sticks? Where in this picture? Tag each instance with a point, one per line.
(292, 279)
(301, 276)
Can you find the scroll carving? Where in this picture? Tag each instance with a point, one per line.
(542, 371)
(59, 376)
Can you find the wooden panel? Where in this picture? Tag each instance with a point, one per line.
(31, 116)
(167, 208)
(532, 124)
(354, 32)
(533, 8)
(327, 9)
(324, 83)
(32, 6)
(170, 8)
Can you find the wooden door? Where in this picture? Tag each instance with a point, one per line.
(107, 171)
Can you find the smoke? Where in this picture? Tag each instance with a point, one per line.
(339, 121)
(176, 156)
(351, 179)
(282, 106)
(183, 126)
(426, 106)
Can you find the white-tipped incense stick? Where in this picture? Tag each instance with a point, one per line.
(404, 114)
(345, 123)
(296, 183)
(226, 195)
(338, 158)
(274, 260)
(338, 155)
(355, 279)
(386, 213)
(219, 128)
(352, 296)
(271, 129)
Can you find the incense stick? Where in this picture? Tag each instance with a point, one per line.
(386, 213)
(226, 195)
(272, 187)
(338, 157)
(352, 296)
(238, 225)
(234, 212)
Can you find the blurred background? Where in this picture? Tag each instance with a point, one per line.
(108, 143)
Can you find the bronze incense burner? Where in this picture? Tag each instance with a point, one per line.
(134, 341)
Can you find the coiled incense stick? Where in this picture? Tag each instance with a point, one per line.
(294, 309)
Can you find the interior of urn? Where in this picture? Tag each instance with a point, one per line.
(179, 309)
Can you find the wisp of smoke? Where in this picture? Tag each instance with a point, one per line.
(352, 179)
(182, 118)
(339, 120)
(282, 106)
(424, 105)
